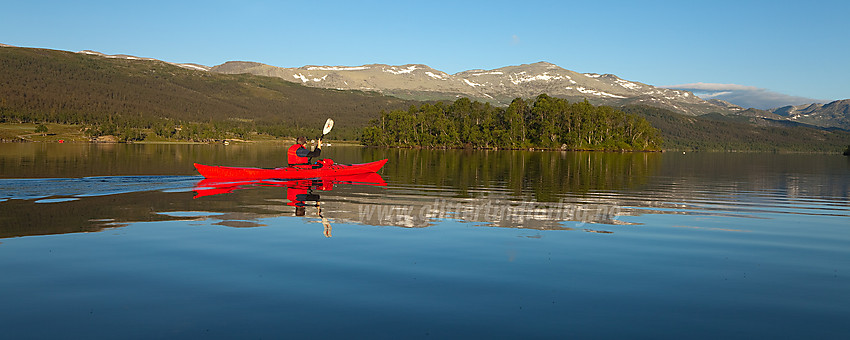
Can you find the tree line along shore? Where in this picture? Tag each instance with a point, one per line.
(544, 123)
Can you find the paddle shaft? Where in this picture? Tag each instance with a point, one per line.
(329, 124)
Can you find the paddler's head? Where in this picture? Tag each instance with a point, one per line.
(301, 140)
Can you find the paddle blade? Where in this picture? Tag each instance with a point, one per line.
(328, 126)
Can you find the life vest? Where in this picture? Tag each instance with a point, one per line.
(292, 157)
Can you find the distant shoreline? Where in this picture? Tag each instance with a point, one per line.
(11, 133)
(25, 133)
(290, 141)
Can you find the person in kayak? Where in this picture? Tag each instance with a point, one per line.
(298, 154)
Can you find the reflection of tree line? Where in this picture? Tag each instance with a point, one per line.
(543, 174)
(26, 217)
(795, 174)
(79, 160)
(88, 214)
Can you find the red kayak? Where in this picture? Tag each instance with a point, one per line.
(292, 172)
(216, 186)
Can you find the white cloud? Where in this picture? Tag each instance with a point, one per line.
(716, 94)
(744, 96)
(514, 39)
(713, 87)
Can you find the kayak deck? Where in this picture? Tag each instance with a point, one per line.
(216, 186)
(215, 171)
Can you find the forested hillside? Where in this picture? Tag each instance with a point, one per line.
(734, 133)
(120, 96)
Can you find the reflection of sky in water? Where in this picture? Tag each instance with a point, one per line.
(56, 200)
(190, 213)
(35, 188)
(693, 256)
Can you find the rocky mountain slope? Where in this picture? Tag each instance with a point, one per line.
(834, 114)
(190, 66)
(498, 86)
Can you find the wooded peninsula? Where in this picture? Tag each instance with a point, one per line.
(545, 123)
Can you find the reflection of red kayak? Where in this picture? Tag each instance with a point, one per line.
(216, 186)
(288, 172)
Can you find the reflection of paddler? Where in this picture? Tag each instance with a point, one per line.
(298, 192)
(302, 210)
(325, 222)
(297, 197)
(301, 192)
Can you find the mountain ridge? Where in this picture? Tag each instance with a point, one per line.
(498, 86)
(832, 114)
(501, 85)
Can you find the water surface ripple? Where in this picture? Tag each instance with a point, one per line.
(126, 241)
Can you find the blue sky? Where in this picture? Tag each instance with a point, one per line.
(795, 48)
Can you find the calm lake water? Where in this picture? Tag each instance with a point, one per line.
(126, 241)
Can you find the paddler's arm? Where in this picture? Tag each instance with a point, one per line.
(304, 152)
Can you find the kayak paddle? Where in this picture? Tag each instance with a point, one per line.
(328, 126)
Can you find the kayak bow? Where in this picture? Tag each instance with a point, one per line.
(214, 171)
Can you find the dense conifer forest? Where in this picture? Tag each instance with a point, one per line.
(714, 132)
(545, 123)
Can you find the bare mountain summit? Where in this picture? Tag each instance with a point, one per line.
(834, 114)
(498, 86)
(190, 66)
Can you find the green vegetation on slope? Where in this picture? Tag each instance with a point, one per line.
(546, 122)
(721, 133)
(123, 97)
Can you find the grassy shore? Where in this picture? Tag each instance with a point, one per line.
(10, 132)
(25, 132)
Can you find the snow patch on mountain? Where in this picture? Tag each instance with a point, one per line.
(436, 76)
(398, 70)
(627, 84)
(471, 83)
(194, 67)
(488, 73)
(593, 92)
(337, 68)
(520, 77)
(304, 79)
